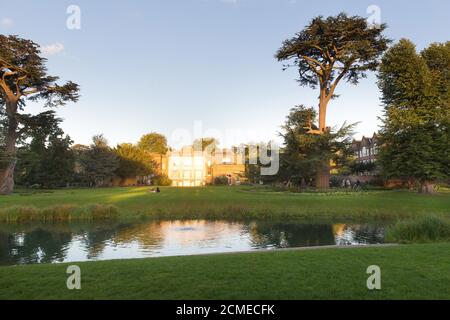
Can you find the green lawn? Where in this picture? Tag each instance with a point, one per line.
(242, 202)
(407, 272)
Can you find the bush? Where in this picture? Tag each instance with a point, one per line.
(221, 180)
(335, 182)
(425, 229)
(161, 180)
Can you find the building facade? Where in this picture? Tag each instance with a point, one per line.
(191, 168)
(366, 149)
(187, 168)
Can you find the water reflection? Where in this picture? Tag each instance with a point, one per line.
(44, 243)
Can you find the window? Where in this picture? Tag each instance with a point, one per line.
(198, 161)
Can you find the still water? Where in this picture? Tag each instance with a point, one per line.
(50, 243)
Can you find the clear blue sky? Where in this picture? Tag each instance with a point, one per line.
(161, 65)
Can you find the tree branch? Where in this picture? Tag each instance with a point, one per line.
(312, 60)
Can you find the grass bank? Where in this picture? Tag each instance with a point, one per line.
(236, 203)
(406, 273)
(66, 212)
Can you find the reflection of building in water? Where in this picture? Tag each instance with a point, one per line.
(162, 233)
(339, 229)
(357, 234)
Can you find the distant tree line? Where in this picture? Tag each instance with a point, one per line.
(49, 160)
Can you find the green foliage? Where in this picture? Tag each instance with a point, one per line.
(47, 160)
(221, 180)
(153, 142)
(363, 167)
(253, 172)
(21, 63)
(161, 180)
(133, 161)
(437, 57)
(98, 163)
(424, 229)
(330, 49)
(415, 133)
(303, 151)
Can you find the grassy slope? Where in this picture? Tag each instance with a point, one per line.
(408, 272)
(238, 202)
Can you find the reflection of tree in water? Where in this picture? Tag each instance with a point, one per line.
(369, 234)
(37, 246)
(96, 238)
(49, 242)
(281, 235)
(146, 234)
(5, 248)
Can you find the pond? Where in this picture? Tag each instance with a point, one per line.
(67, 242)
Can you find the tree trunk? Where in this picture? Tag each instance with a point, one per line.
(7, 178)
(322, 110)
(323, 176)
(427, 187)
(7, 170)
(323, 170)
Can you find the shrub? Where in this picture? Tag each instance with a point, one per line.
(221, 180)
(161, 180)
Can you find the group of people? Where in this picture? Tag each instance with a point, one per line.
(347, 183)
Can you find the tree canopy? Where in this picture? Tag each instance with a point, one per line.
(24, 78)
(98, 162)
(133, 161)
(302, 151)
(153, 142)
(415, 131)
(47, 160)
(332, 49)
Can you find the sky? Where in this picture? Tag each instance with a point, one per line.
(190, 68)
